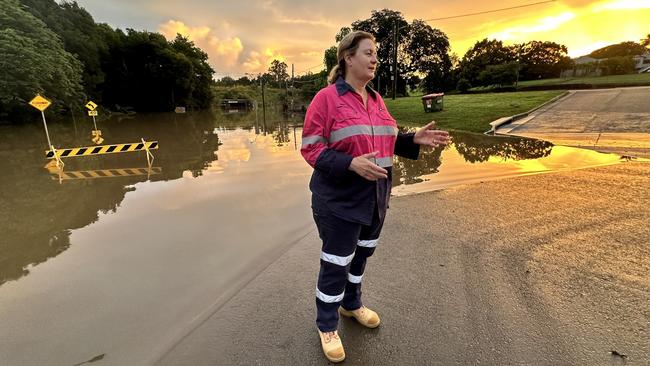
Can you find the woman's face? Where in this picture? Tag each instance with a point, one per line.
(363, 64)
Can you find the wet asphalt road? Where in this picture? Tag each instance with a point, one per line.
(609, 120)
(548, 269)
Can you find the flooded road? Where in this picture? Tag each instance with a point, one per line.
(118, 262)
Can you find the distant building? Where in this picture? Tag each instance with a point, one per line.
(584, 60)
(589, 66)
(642, 62)
(583, 66)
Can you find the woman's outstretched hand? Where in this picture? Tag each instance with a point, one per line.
(363, 166)
(430, 137)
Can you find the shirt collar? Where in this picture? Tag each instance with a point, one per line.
(343, 87)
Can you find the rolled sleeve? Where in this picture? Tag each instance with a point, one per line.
(406, 147)
(333, 163)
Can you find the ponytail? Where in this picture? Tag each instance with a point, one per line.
(336, 72)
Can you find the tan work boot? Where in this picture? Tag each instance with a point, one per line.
(363, 315)
(332, 346)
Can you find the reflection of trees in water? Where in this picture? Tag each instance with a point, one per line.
(407, 171)
(281, 133)
(38, 214)
(274, 122)
(475, 148)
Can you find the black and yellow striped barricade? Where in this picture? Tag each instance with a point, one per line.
(104, 173)
(102, 149)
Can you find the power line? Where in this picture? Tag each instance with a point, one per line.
(490, 11)
(317, 78)
(307, 69)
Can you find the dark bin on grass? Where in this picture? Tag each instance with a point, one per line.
(432, 102)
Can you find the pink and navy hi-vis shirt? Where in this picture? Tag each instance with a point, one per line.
(338, 128)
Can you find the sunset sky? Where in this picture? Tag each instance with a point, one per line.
(245, 36)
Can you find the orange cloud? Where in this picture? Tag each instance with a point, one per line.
(260, 61)
(223, 53)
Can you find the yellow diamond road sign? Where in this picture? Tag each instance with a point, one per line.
(91, 105)
(40, 103)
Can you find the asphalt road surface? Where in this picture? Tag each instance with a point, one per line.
(610, 120)
(548, 269)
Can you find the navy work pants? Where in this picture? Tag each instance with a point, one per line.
(346, 247)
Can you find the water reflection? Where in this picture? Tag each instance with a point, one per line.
(38, 214)
(476, 148)
(223, 203)
(473, 158)
(473, 148)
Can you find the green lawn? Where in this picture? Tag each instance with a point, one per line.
(467, 112)
(596, 80)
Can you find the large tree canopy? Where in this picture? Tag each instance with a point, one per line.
(422, 51)
(621, 49)
(541, 60)
(33, 61)
(481, 55)
(149, 73)
(80, 35)
(426, 53)
(59, 50)
(532, 60)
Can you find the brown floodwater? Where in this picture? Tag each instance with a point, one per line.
(116, 260)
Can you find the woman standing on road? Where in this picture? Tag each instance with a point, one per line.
(349, 138)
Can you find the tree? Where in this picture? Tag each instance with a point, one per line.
(310, 84)
(645, 42)
(226, 81)
(194, 90)
(278, 71)
(422, 52)
(380, 24)
(618, 65)
(34, 61)
(463, 85)
(342, 33)
(177, 72)
(330, 58)
(147, 72)
(498, 75)
(541, 60)
(426, 52)
(244, 80)
(621, 49)
(483, 53)
(80, 35)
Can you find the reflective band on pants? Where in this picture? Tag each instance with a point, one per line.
(327, 298)
(368, 243)
(335, 259)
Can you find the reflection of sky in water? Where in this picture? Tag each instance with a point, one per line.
(455, 170)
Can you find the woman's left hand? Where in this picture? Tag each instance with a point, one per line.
(430, 137)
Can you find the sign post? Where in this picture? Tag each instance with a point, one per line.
(96, 134)
(41, 104)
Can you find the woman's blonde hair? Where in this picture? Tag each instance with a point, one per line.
(347, 46)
